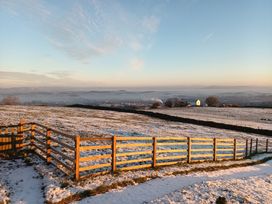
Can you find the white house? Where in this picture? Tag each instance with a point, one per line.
(197, 102)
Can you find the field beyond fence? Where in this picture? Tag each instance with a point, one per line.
(80, 157)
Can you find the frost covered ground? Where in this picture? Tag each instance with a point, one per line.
(20, 183)
(251, 184)
(238, 185)
(107, 123)
(250, 117)
(56, 187)
(250, 189)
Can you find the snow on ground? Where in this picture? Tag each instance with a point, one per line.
(87, 122)
(255, 189)
(20, 183)
(107, 123)
(250, 117)
(95, 123)
(252, 184)
(55, 191)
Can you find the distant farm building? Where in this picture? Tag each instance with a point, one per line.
(197, 102)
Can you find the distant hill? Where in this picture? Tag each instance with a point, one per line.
(244, 96)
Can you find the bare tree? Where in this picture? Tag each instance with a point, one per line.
(155, 105)
(213, 101)
(11, 100)
(175, 102)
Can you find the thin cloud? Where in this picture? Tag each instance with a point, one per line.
(136, 46)
(59, 74)
(16, 79)
(208, 37)
(88, 28)
(136, 64)
(151, 23)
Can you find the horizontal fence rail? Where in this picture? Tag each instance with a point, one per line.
(54, 147)
(105, 155)
(81, 157)
(13, 138)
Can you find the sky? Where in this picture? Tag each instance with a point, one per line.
(110, 43)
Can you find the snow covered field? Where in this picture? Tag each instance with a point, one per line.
(55, 187)
(249, 117)
(250, 189)
(37, 182)
(250, 184)
(99, 123)
(239, 185)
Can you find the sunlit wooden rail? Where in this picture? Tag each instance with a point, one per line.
(81, 157)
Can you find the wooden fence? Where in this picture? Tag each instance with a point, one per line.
(85, 156)
(13, 138)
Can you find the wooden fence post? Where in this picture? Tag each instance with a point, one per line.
(256, 145)
(113, 168)
(234, 149)
(266, 145)
(77, 156)
(33, 126)
(189, 150)
(214, 149)
(1, 140)
(7, 139)
(154, 152)
(250, 150)
(13, 143)
(246, 148)
(48, 146)
(20, 133)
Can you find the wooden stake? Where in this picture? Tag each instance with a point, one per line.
(113, 154)
(77, 157)
(32, 136)
(20, 128)
(234, 149)
(256, 145)
(214, 149)
(1, 140)
(250, 150)
(13, 141)
(189, 150)
(246, 153)
(154, 152)
(6, 147)
(20, 131)
(48, 146)
(266, 145)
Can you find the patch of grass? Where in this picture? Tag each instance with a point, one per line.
(141, 179)
(216, 168)
(101, 189)
(84, 194)
(28, 161)
(221, 200)
(64, 184)
(3, 202)
(118, 172)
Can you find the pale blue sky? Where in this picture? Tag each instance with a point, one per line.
(135, 43)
